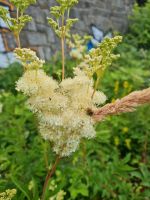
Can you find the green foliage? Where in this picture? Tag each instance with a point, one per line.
(28, 58)
(9, 76)
(98, 60)
(3, 13)
(139, 30)
(22, 149)
(22, 5)
(17, 24)
(62, 22)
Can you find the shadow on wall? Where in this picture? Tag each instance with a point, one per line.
(141, 2)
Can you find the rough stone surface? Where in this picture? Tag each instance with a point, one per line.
(105, 14)
(37, 39)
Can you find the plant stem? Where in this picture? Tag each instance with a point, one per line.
(63, 58)
(95, 87)
(17, 34)
(48, 177)
(144, 153)
(17, 40)
(63, 48)
(45, 155)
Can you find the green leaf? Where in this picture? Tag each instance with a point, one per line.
(20, 187)
(80, 189)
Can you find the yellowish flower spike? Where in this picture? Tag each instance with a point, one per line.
(96, 62)
(8, 194)
(16, 24)
(28, 58)
(62, 22)
(22, 5)
(100, 58)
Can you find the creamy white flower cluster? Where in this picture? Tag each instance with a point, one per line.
(61, 108)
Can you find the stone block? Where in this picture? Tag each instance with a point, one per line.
(11, 42)
(47, 53)
(118, 3)
(41, 53)
(80, 26)
(42, 4)
(37, 14)
(31, 26)
(42, 28)
(50, 35)
(36, 39)
(24, 40)
(101, 12)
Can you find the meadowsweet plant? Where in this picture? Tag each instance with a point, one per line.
(62, 23)
(17, 24)
(97, 61)
(68, 110)
(60, 107)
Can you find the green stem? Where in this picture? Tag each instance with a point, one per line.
(18, 33)
(68, 14)
(63, 48)
(45, 155)
(17, 40)
(7, 22)
(63, 58)
(96, 86)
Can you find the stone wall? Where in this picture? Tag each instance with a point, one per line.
(105, 14)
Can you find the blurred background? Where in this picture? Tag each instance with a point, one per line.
(106, 16)
(113, 166)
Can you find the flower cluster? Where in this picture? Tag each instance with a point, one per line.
(17, 24)
(77, 44)
(62, 22)
(8, 194)
(61, 108)
(100, 58)
(22, 5)
(28, 58)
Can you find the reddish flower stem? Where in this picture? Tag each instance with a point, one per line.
(49, 175)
